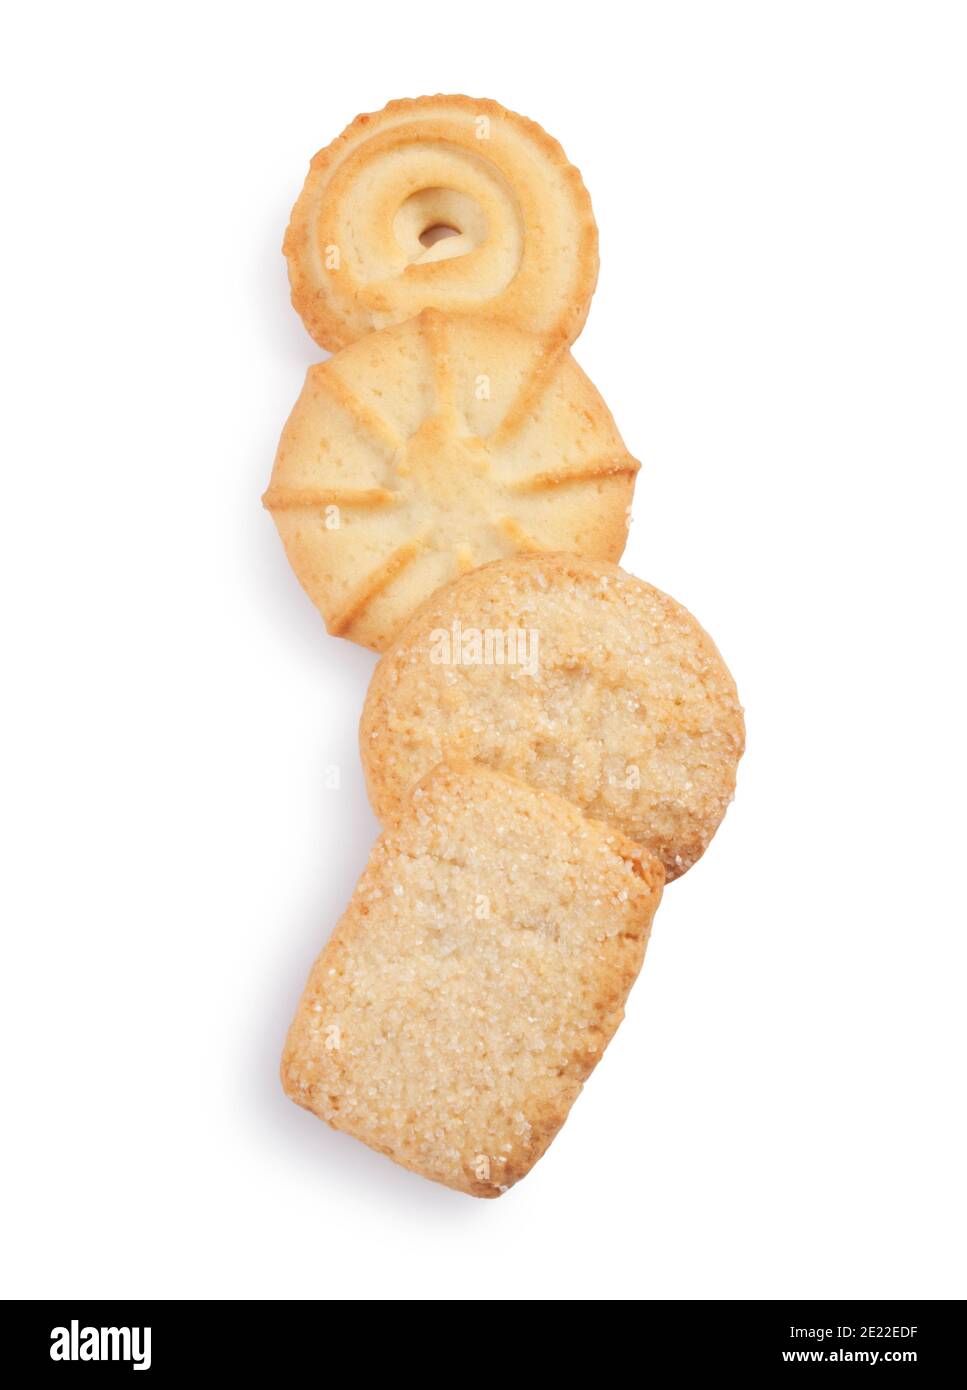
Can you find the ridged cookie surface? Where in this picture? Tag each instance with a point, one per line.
(474, 981)
(526, 244)
(574, 676)
(433, 447)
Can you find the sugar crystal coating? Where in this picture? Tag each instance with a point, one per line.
(627, 710)
(475, 979)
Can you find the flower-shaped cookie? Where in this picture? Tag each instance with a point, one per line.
(435, 446)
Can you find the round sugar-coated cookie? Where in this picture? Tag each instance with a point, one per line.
(445, 202)
(575, 677)
(433, 447)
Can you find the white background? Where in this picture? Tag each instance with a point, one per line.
(779, 328)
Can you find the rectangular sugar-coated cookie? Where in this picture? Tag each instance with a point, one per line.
(475, 979)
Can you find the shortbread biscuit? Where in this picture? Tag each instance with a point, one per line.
(575, 677)
(432, 447)
(526, 249)
(475, 979)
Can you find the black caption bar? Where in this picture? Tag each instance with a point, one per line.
(163, 1340)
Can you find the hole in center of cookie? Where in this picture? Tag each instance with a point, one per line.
(439, 224)
(437, 232)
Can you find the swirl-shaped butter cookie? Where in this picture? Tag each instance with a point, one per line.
(435, 446)
(362, 243)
